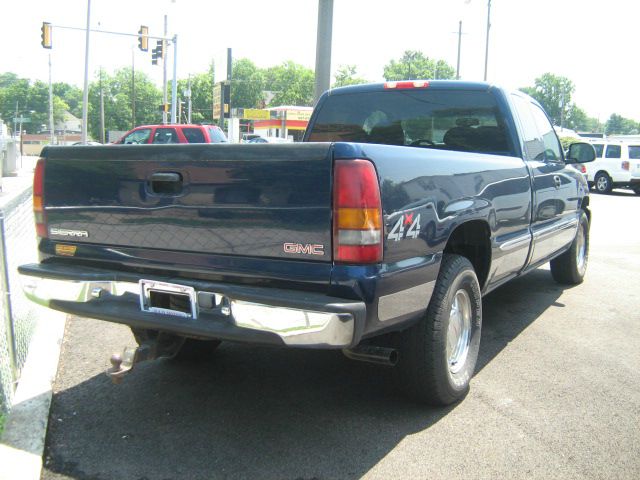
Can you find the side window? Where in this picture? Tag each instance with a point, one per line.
(613, 151)
(193, 135)
(533, 144)
(165, 135)
(599, 147)
(634, 152)
(137, 136)
(552, 148)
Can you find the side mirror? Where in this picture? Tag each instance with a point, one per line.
(581, 152)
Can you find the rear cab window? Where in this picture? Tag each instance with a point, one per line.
(461, 120)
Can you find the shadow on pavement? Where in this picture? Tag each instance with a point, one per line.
(254, 412)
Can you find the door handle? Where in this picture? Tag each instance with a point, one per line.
(166, 183)
(557, 181)
(166, 177)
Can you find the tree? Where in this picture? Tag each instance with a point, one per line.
(117, 93)
(346, 75)
(619, 125)
(71, 95)
(415, 65)
(554, 94)
(292, 84)
(201, 96)
(247, 85)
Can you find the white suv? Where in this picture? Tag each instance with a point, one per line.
(617, 165)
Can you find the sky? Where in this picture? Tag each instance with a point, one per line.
(593, 43)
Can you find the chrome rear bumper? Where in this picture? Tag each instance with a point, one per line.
(295, 318)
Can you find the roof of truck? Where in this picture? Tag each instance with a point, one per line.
(408, 84)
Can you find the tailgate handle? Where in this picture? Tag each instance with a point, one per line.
(166, 183)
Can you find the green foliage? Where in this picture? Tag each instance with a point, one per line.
(415, 65)
(554, 94)
(346, 75)
(566, 141)
(247, 85)
(32, 101)
(619, 125)
(201, 96)
(292, 84)
(117, 93)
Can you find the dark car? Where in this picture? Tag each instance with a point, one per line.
(165, 134)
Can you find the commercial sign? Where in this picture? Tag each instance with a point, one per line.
(256, 114)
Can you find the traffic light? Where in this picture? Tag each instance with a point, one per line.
(143, 38)
(46, 35)
(157, 53)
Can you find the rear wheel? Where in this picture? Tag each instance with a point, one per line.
(438, 355)
(603, 183)
(192, 349)
(571, 266)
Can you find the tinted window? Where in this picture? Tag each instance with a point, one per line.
(193, 135)
(613, 151)
(533, 144)
(137, 136)
(634, 152)
(449, 120)
(165, 135)
(599, 147)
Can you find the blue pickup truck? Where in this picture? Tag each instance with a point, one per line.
(378, 235)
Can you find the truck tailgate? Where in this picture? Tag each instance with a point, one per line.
(248, 200)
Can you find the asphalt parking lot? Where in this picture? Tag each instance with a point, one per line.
(556, 395)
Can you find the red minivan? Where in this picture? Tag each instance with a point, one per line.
(173, 134)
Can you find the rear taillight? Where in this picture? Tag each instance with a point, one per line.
(357, 213)
(625, 166)
(38, 199)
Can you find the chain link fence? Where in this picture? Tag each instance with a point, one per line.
(19, 317)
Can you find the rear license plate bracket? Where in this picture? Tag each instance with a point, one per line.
(168, 299)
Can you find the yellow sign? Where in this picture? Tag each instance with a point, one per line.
(256, 114)
(304, 115)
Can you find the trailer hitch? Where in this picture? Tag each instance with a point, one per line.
(164, 345)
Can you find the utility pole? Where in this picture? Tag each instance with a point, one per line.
(51, 126)
(189, 97)
(133, 89)
(164, 72)
(323, 48)
(15, 122)
(85, 95)
(102, 135)
(174, 86)
(459, 45)
(486, 51)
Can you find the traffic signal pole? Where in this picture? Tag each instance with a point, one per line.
(164, 75)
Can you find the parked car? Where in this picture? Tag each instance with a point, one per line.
(165, 134)
(617, 165)
(269, 140)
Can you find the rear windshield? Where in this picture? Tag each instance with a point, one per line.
(448, 120)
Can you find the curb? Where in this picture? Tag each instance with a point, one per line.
(23, 440)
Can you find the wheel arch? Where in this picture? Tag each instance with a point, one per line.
(472, 240)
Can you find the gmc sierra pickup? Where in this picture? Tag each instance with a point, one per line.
(378, 236)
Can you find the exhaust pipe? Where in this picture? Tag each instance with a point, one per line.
(373, 354)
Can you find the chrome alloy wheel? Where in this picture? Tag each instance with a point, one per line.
(459, 331)
(602, 183)
(581, 250)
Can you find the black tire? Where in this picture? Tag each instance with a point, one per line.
(603, 183)
(570, 267)
(192, 349)
(426, 364)
(636, 190)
